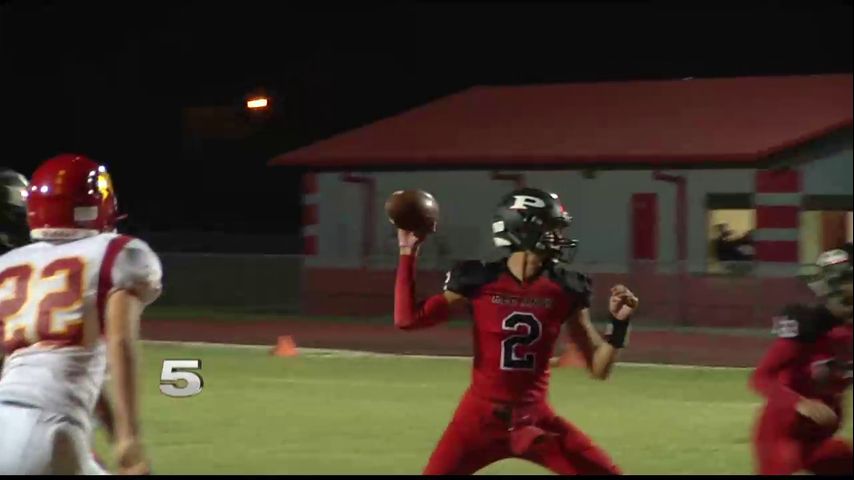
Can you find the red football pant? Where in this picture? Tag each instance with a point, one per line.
(476, 437)
(780, 450)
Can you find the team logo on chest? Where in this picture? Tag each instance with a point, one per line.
(524, 302)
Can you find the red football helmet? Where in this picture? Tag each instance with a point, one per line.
(71, 197)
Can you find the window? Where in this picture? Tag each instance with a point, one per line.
(730, 220)
(825, 223)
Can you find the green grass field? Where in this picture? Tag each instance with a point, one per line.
(323, 414)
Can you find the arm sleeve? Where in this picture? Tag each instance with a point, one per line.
(409, 315)
(765, 379)
(138, 269)
(792, 328)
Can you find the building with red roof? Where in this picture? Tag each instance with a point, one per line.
(648, 170)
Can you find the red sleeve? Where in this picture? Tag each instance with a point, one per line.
(765, 379)
(408, 315)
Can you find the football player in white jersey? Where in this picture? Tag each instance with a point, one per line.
(70, 304)
(14, 233)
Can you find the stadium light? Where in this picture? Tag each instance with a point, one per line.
(257, 103)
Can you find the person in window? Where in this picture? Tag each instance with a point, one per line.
(724, 246)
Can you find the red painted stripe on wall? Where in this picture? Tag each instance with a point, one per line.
(780, 216)
(644, 226)
(309, 215)
(309, 184)
(309, 245)
(784, 251)
(778, 181)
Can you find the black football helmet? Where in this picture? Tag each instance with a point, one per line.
(533, 220)
(14, 231)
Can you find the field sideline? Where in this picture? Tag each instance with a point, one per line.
(330, 411)
(346, 353)
(658, 345)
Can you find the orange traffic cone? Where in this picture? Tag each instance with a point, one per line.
(285, 347)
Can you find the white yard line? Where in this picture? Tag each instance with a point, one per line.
(340, 353)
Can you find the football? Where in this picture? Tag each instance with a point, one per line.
(413, 210)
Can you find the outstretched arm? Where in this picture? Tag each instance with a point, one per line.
(409, 314)
(600, 353)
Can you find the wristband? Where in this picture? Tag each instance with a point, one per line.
(617, 332)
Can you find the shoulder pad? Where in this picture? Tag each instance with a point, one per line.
(802, 322)
(468, 276)
(137, 268)
(576, 284)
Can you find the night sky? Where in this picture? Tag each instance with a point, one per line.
(111, 79)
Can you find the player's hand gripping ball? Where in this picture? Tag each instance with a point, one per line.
(413, 210)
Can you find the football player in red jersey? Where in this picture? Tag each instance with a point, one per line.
(803, 378)
(519, 305)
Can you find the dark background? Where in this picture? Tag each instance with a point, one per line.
(113, 80)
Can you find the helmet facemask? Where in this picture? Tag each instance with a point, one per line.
(833, 282)
(547, 239)
(555, 244)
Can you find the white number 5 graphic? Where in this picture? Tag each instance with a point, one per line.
(172, 374)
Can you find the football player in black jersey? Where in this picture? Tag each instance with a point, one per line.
(14, 231)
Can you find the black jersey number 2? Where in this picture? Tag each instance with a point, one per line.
(527, 330)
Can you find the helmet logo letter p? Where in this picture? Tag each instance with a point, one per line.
(522, 202)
